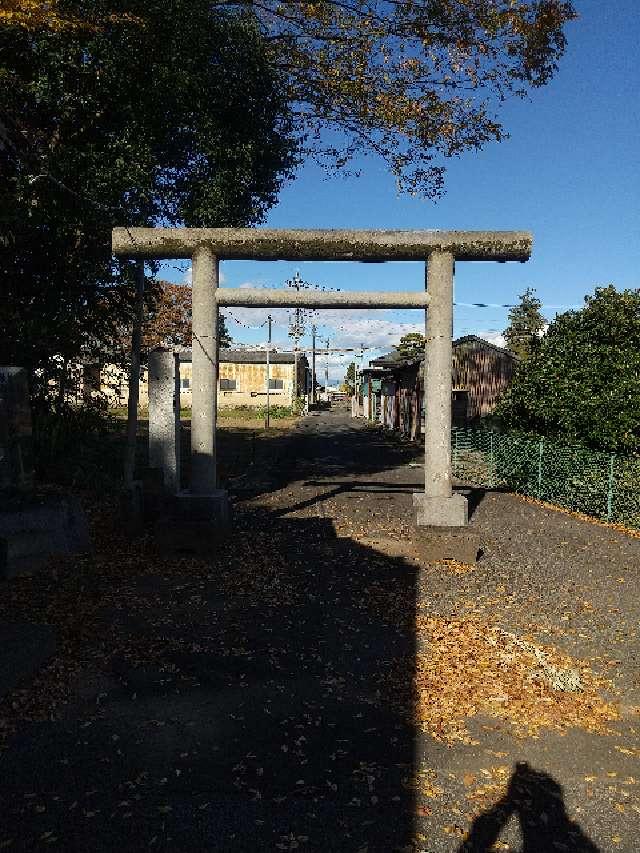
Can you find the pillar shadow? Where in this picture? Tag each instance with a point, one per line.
(536, 799)
(278, 459)
(476, 494)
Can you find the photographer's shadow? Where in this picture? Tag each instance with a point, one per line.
(536, 799)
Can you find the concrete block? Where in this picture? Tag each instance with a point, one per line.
(195, 524)
(212, 508)
(441, 512)
(32, 534)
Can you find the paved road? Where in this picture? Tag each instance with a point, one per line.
(246, 702)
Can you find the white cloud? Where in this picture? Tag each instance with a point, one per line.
(496, 338)
(353, 328)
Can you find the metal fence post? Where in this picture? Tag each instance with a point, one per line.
(610, 488)
(540, 456)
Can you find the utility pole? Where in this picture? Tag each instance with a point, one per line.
(360, 380)
(313, 365)
(296, 328)
(326, 373)
(266, 423)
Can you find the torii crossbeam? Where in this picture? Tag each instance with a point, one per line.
(438, 505)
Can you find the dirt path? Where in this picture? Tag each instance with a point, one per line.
(323, 684)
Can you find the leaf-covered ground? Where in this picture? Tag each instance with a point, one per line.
(320, 682)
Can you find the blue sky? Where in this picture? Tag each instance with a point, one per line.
(569, 173)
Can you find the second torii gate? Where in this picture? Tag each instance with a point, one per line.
(206, 247)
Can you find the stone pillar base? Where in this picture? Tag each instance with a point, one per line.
(211, 508)
(195, 525)
(441, 512)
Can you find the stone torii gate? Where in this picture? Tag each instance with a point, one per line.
(206, 247)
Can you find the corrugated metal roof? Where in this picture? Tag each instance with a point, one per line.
(394, 359)
(474, 339)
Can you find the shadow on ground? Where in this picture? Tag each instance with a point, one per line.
(536, 800)
(242, 704)
(260, 699)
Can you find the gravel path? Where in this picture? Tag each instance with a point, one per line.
(325, 682)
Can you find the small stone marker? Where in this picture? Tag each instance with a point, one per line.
(33, 526)
(164, 416)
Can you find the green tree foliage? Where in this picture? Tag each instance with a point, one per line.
(413, 82)
(582, 383)
(349, 383)
(193, 111)
(173, 114)
(525, 325)
(411, 345)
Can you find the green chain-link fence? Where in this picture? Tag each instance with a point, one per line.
(599, 484)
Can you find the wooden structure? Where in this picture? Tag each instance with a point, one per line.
(480, 373)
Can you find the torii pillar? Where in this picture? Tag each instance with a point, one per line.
(204, 500)
(438, 505)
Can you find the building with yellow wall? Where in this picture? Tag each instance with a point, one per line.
(242, 379)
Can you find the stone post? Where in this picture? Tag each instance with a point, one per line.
(439, 506)
(164, 416)
(204, 371)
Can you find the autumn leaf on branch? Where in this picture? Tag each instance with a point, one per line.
(35, 15)
(410, 80)
(169, 319)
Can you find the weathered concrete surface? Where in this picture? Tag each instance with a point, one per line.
(164, 416)
(194, 524)
(441, 511)
(38, 530)
(256, 297)
(204, 371)
(210, 507)
(321, 245)
(438, 507)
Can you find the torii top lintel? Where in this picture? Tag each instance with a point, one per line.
(275, 244)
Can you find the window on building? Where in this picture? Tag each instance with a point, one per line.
(276, 384)
(227, 384)
(185, 383)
